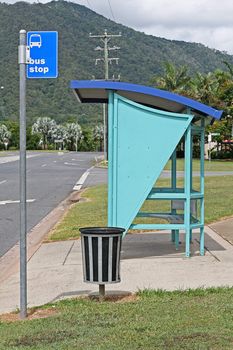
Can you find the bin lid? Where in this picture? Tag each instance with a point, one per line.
(101, 230)
(96, 91)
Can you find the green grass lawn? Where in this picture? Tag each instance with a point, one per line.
(195, 319)
(93, 212)
(214, 165)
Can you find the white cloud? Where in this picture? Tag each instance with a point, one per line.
(206, 21)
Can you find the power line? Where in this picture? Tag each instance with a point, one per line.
(111, 10)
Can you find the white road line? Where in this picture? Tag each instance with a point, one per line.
(82, 179)
(9, 159)
(67, 163)
(43, 165)
(15, 201)
(2, 182)
(79, 160)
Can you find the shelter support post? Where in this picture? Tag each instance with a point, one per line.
(110, 157)
(202, 185)
(191, 176)
(175, 233)
(187, 189)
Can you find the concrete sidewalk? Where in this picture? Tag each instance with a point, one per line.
(148, 261)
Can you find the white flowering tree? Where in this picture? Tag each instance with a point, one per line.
(5, 135)
(59, 134)
(45, 127)
(98, 135)
(74, 135)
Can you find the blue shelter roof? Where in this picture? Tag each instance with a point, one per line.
(92, 91)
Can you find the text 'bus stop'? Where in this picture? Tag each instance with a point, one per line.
(146, 128)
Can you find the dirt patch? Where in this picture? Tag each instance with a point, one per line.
(123, 299)
(76, 197)
(116, 298)
(33, 314)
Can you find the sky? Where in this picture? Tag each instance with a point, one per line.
(203, 21)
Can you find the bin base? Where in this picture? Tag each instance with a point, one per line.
(101, 291)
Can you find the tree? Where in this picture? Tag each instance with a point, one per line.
(230, 68)
(175, 79)
(205, 88)
(32, 140)
(5, 135)
(73, 135)
(13, 127)
(98, 135)
(45, 127)
(59, 134)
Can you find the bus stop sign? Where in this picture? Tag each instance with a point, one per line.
(43, 47)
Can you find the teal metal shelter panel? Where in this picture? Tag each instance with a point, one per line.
(141, 141)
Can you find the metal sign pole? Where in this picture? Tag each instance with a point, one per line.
(42, 64)
(23, 228)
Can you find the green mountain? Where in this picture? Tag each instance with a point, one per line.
(141, 57)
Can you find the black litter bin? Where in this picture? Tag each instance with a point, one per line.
(101, 247)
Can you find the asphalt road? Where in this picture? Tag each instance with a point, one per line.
(50, 179)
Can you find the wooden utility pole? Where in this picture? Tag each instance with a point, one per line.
(105, 38)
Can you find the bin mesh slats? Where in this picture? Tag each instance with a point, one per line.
(114, 258)
(95, 258)
(105, 248)
(87, 260)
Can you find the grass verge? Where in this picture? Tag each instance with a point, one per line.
(93, 211)
(214, 165)
(90, 212)
(195, 319)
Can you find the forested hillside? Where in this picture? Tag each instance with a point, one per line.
(141, 57)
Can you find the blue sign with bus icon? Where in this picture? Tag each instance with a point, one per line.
(43, 48)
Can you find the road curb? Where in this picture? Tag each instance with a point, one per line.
(80, 182)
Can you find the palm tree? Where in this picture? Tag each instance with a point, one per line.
(174, 79)
(205, 88)
(45, 127)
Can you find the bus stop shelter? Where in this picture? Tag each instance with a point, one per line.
(146, 128)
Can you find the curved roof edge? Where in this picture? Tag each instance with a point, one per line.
(81, 86)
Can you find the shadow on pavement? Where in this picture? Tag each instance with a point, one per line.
(144, 245)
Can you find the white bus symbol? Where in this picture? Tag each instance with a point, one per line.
(35, 40)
